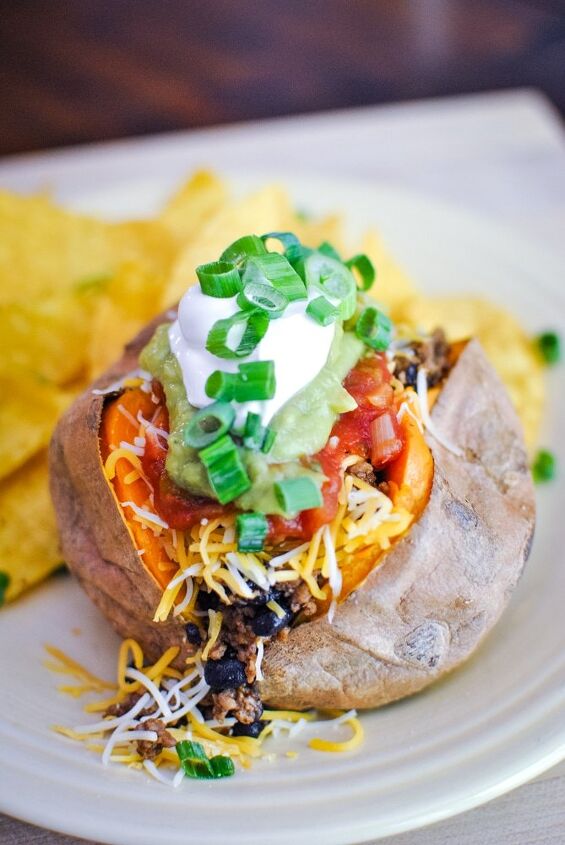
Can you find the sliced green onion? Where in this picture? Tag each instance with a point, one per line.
(265, 297)
(287, 239)
(256, 381)
(220, 279)
(256, 436)
(297, 494)
(221, 386)
(269, 439)
(374, 328)
(252, 530)
(334, 280)
(239, 251)
(4, 584)
(226, 473)
(296, 256)
(364, 268)
(549, 345)
(322, 311)
(208, 424)
(195, 763)
(238, 335)
(327, 249)
(275, 269)
(544, 467)
(222, 766)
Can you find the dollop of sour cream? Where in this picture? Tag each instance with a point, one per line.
(297, 345)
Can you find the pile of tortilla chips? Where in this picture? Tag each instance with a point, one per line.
(74, 289)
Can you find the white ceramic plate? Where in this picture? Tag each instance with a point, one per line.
(489, 727)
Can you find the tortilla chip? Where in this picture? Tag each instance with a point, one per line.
(29, 410)
(198, 200)
(29, 546)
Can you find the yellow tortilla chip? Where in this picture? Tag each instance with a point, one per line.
(129, 301)
(197, 201)
(264, 211)
(28, 412)
(28, 538)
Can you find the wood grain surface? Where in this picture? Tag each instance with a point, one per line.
(84, 70)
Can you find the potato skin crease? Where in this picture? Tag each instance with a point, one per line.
(420, 613)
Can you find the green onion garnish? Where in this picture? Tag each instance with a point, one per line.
(252, 529)
(265, 297)
(544, 467)
(256, 381)
(208, 424)
(253, 432)
(239, 251)
(274, 269)
(287, 239)
(365, 270)
(226, 473)
(549, 345)
(327, 249)
(322, 311)
(297, 494)
(238, 335)
(269, 439)
(221, 386)
(334, 280)
(4, 584)
(195, 763)
(220, 279)
(374, 328)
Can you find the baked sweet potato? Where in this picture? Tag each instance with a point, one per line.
(418, 615)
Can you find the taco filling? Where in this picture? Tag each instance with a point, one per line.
(268, 453)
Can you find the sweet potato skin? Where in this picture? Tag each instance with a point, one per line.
(417, 616)
(445, 584)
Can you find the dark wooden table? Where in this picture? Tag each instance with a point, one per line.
(85, 70)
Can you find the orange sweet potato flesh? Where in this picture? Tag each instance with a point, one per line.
(116, 428)
(411, 475)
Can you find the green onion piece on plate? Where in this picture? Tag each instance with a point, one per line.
(195, 763)
(265, 297)
(208, 424)
(4, 584)
(365, 269)
(238, 335)
(239, 251)
(252, 530)
(256, 381)
(275, 269)
(322, 311)
(544, 467)
(374, 328)
(221, 386)
(226, 472)
(297, 494)
(549, 345)
(219, 279)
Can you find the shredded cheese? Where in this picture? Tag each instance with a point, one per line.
(214, 628)
(422, 390)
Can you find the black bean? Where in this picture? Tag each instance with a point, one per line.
(254, 729)
(224, 673)
(267, 623)
(207, 601)
(261, 598)
(411, 375)
(192, 633)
